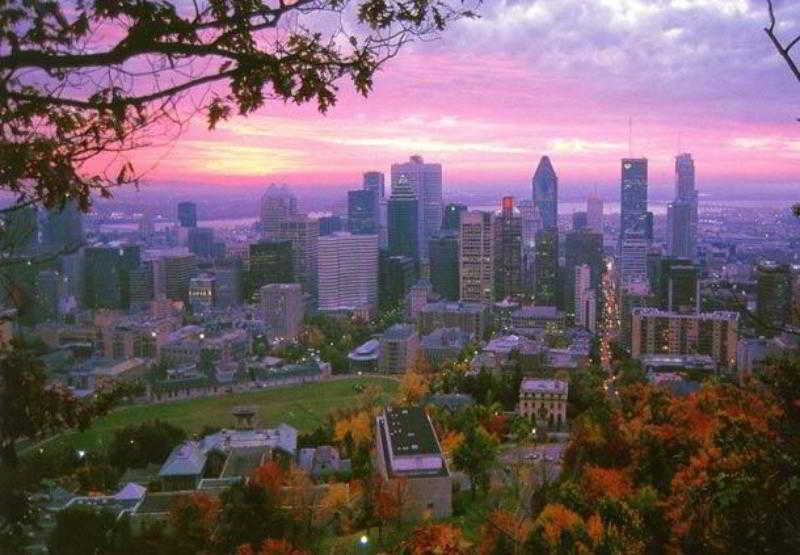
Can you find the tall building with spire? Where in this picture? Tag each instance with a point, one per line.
(277, 205)
(545, 193)
(426, 181)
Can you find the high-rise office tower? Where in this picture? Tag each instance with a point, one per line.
(146, 225)
(476, 257)
(175, 272)
(705, 333)
(281, 307)
(508, 251)
(585, 299)
(403, 219)
(62, 228)
(303, 234)
(633, 257)
(363, 211)
(229, 282)
(682, 216)
(348, 272)
(579, 221)
(679, 289)
(397, 274)
(330, 224)
(773, 297)
(546, 278)
(545, 193)
(582, 247)
(270, 262)
(531, 225)
(201, 242)
(452, 216)
(141, 286)
(633, 198)
(107, 276)
(426, 181)
(277, 205)
(375, 181)
(443, 254)
(187, 214)
(594, 213)
(202, 293)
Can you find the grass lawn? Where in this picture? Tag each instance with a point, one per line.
(305, 407)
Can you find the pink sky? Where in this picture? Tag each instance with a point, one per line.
(556, 77)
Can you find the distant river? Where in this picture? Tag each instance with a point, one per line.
(659, 208)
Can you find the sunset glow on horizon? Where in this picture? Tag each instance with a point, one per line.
(527, 79)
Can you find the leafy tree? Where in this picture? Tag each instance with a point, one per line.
(192, 520)
(249, 515)
(476, 455)
(136, 446)
(96, 477)
(82, 529)
(436, 538)
(30, 407)
(73, 94)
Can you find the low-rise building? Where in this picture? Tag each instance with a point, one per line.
(407, 448)
(444, 345)
(537, 317)
(322, 461)
(544, 401)
(472, 318)
(364, 358)
(398, 350)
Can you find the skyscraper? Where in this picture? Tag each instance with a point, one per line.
(426, 181)
(375, 181)
(452, 216)
(594, 213)
(303, 234)
(348, 272)
(397, 274)
(281, 307)
(633, 257)
(680, 239)
(633, 198)
(585, 298)
(277, 205)
(107, 277)
(546, 278)
(773, 297)
(531, 225)
(682, 218)
(201, 241)
(679, 289)
(202, 293)
(270, 262)
(403, 219)
(476, 257)
(363, 211)
(508, 250)
(187, 214)
(582, 247)
(579, 221)
(545, 193)
(443, 254)
(175, 272)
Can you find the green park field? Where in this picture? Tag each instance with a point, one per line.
(305, 407)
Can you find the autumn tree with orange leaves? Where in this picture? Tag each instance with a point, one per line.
(439, 539)
(713, 472)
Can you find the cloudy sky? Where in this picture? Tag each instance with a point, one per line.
(533, 77)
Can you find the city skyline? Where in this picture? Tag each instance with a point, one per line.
(694, 97)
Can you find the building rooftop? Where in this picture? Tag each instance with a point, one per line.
(410, 432)
(459, 307)
(722, 315)
(445, 337)
(399, 332)
(538, 312)
(544, 386)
